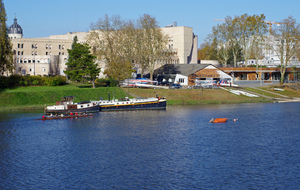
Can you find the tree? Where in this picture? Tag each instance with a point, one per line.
(81, 64)
(233, 35)
(122, 45)
(286, 43)
(6, 53)
(153, 44)
(111, 39)
(251, 29)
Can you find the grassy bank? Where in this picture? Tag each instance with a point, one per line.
(197, 96)
(36, 97)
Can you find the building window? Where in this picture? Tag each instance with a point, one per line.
(59, 46)
(43, 69)
(181, 80)
(46, 53)
(19, 45)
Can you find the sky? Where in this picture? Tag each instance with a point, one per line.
(42, 18)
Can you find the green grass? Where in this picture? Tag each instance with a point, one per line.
(71, 86)
(38, 96)
(263, 92)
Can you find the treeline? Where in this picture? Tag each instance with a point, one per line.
(252, 37)
(18, 80)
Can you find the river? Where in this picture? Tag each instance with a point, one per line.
(175, 148)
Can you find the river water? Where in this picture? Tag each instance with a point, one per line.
(173, 149)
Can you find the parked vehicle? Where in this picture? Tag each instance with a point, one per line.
(175, 86)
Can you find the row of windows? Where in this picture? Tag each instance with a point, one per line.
(47, 46)
(36, 53)
(43, 69)
(33, 61)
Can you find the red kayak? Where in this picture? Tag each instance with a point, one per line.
(218, 120)
(64, 117)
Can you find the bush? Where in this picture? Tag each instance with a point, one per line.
(113, 82)
(18, 80)
(55, 81)
(101, 82)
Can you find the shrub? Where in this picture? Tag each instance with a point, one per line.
(113, 82)
(101, 82)
(55, 81)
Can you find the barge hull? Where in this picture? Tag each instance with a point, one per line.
(132, 107)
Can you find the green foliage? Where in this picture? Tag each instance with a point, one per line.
(55, 81)
(113, 82)
(50, 95)
(109, 82)
(101, 82)
(81, 66)
(18, 80)
(6, 53)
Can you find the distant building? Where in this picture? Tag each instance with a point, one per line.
(38, 56)
(48, 55)
(187, 74)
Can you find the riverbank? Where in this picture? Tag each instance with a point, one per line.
(37, 97)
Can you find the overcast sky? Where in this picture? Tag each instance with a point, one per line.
(41, 18)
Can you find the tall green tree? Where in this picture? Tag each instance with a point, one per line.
(81, 65)
(6, 53)
(286, 43)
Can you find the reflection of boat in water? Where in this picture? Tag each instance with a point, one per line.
(132, 104)
(67, 105)
(65, 116)
(218, 120)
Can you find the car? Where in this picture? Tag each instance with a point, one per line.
(175, 86)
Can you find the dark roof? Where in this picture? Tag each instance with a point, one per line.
(15, 28)
(183, 69)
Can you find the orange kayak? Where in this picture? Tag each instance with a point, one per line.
(218, 120)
